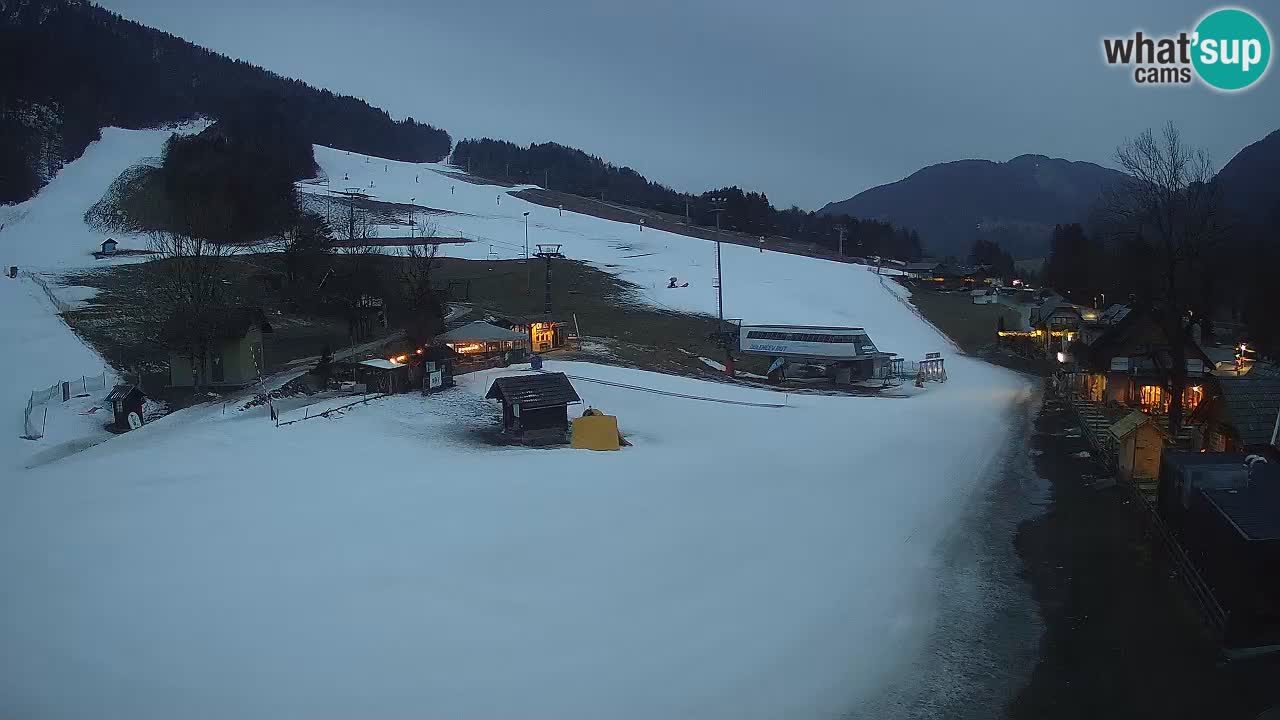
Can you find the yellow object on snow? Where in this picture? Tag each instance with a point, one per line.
(595, 432)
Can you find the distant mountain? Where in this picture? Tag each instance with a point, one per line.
(1249, 182)
(72, 68)
(1015, 203)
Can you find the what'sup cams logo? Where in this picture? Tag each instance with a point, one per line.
(1228, 50)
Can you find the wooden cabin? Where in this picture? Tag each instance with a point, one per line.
(535, 407)
(1127, 365)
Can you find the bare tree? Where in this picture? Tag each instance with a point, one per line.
(354, 282)
(188, 282)
(1170, 204)
(426, 315)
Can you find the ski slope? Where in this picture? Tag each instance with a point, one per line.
(735, 562)
(763, 288)
(46, 235)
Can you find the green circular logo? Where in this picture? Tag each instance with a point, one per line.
(1232, 49)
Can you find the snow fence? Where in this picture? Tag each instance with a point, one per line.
(36, 415)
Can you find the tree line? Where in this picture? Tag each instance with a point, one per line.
(72, 68)
(573, 171)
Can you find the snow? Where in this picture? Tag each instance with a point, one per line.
(736, 561)
(48, 231)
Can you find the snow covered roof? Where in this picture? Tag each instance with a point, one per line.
(480, 332)
(381, 364)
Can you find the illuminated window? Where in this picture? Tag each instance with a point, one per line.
(1151, 398)
(1192, 397)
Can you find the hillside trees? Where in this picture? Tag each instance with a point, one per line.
(573, 171)
(88, 68)
(988, 252)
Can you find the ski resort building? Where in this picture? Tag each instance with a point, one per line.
(847, 352)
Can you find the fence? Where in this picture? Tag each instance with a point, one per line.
(53, 298)
(914, 310)
(36, 415)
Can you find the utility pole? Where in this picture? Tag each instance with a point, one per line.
(528, 283)
(717, 207)
(548, 252)
(686, 211)
(843, 231)
(546, 180)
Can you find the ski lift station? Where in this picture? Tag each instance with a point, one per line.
(847, 353)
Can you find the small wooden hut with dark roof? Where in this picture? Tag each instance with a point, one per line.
(535, 407)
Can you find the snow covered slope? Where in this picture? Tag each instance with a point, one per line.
(46, 235)
(759, 287)
(736, 562)
(48, 231)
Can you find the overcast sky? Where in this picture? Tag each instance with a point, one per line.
(810, 101)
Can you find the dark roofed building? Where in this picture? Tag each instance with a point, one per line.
(1242, 414)
(535, 407)
(1233, 537)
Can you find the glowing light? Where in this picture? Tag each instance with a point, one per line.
(1062, 358)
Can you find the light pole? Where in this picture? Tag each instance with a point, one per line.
(717, 207)
(526, 237)
(528, 282)
(842, 230)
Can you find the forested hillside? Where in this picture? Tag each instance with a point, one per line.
(571, 170)
(71, 68)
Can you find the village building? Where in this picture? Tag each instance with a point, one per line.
(924, 270)
(544, 333)
(1241, 415)
(1224, 510)
(109, 246)
(1128, 364)
(235, 357)
(535, 407)
(481, 342)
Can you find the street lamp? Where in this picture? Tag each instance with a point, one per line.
(717, 207)
(528, 282)
(526, 237)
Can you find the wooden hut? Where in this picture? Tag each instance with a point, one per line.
(1139, 443)
(388, 376)
(535, 407)
(126, 403)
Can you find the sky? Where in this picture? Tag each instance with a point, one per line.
(809, 101)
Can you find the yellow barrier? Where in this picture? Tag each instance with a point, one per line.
(595, 432)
